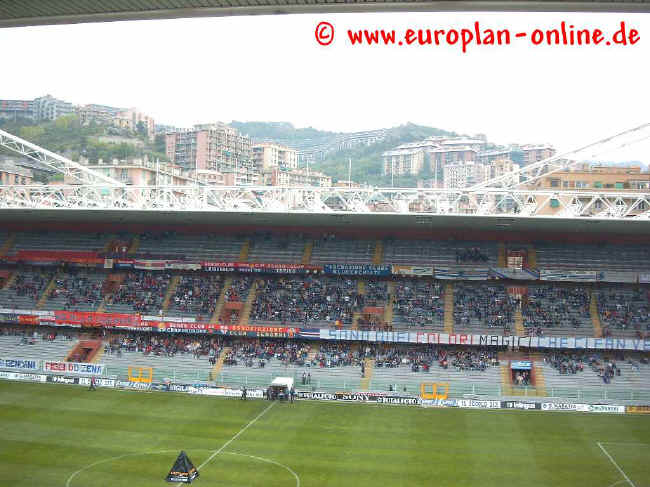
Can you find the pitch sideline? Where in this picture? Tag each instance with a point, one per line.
(620, 470)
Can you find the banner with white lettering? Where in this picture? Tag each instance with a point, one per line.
(568, 275)
(412, 270)
(514, 274)
(462, 274)
(554, 342)
(357, 269)
(74, 368)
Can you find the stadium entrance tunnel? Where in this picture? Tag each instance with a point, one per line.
(148, 469)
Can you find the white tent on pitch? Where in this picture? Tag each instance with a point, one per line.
(283, 383)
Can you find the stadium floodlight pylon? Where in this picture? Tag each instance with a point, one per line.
(80, 173)
(527, 175)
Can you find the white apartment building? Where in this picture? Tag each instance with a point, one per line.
(465, 174)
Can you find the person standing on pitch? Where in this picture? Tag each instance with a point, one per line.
(243, 393)
(93, 385)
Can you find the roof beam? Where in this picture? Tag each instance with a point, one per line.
(561, 162)
(80, 173)
(43, 12)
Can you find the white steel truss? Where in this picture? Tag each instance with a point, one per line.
(79, 172)
(528, 175)
(268, 199)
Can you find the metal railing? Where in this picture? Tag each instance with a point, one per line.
(457, 389)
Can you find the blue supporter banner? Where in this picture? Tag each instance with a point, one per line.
(357, 269)
(19, 364)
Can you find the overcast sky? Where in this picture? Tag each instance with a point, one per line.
(271, 68)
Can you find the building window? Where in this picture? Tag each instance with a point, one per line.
(555, 183)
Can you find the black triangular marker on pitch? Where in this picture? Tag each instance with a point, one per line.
(183, 470)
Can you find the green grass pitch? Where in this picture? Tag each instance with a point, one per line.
(122, 438)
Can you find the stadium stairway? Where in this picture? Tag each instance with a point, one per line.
(315, 350)
(135, 245)
(355, 320)
(11, 280)
(502, 255)
(245, 249)
(388, 308)
(102, 306)
(171, 289)
(361, 289)
(48, 289)
(220, 300)
(99, 353)
(593, 312)
(378, 256)
(111, 282)
(108, 246)
(306, 255)
(540, 382)
(506, 381)
(532, 257)
(449, 308)
(7, 245)
(216, 370)
(369, 367)
(248, 305)
(89, 348)
(519, 323)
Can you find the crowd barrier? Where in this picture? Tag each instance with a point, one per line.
(360, 397)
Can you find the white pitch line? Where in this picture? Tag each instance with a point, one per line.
(209, 459)
(268, 460)
(615, 464)
(624, 443)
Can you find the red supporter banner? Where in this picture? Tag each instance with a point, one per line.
(29, 320)
(56, 256)
(89, 318)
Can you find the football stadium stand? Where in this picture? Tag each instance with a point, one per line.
(261, 289)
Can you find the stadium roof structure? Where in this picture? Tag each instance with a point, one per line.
(15, 13)
(374, 223)
(499, 204)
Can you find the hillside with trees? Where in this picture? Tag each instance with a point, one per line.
(367, 161)
(68, 137)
